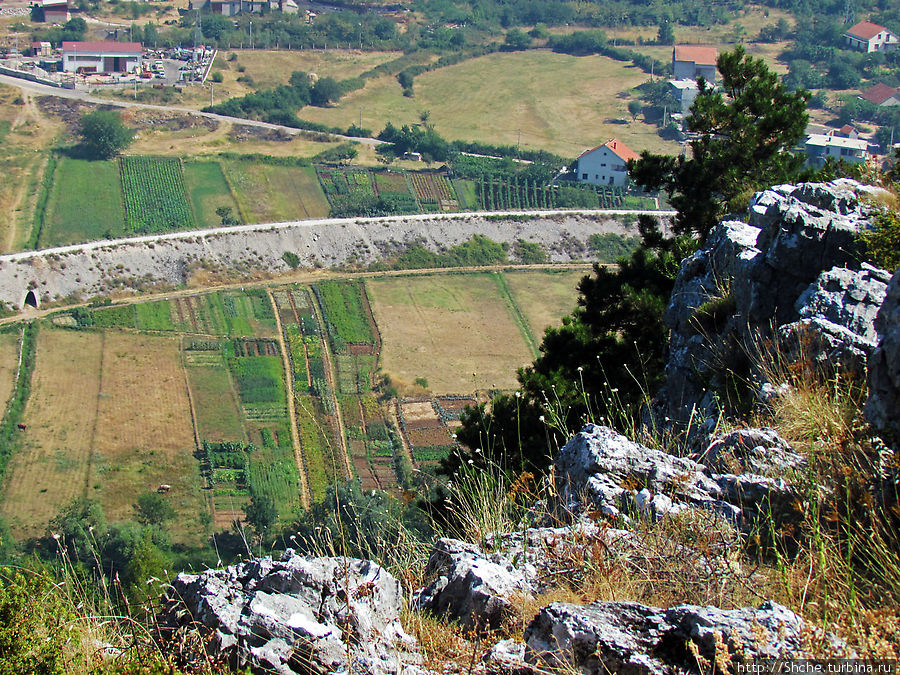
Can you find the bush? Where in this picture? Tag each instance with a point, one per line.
(883, 241)
(217, 76)
(103, 135)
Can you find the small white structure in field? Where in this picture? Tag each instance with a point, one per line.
(102, 57)
(605, 164)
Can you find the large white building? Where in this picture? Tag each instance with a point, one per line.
(101, 57)
(820, 147)
(870, 37)
(605, 164)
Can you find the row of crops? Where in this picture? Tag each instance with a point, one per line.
(395, 191)
(345, 315)
(154, 195)
(500, 195)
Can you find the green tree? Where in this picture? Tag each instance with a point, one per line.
(746, 132)
(103, 135)
(516, 40)
(324, 91)
(152, 508)
(666, 34)
(634, 109)
(261, 514)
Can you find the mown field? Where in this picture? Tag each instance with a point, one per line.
(263, 392)
(493, 97)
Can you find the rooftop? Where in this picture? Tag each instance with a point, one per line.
(850, 143)
(879, 93)
(107, 46)
(865, 30)
(702, 56)
(617, 147)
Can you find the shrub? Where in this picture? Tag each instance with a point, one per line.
(883, 241)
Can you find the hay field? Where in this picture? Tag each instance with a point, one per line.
(9, 360)
(144, 434)
(544, 297)
(560, 103)
(269, 68)
(445, 328)
(267, 193)
(50, 468)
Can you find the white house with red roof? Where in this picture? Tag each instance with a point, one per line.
(605, 164)
(102, 57)
(690, 62)
(870, 37)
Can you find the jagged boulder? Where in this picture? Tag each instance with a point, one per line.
(627, 637)
(603, 470)
(792, 270)
(298, 615)
(883, 406)
(761, 452)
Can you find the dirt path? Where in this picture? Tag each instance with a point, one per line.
(292, 412)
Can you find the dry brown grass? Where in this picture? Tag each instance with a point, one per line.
(455, 331)
(544, 297)
(51, 466)
(144, 435)
(9, 358)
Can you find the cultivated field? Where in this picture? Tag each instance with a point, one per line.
(267, 193)
(51, 467)
(544, 298)
(456, 331)
(9, 357)
(493, 97)
(144, 436)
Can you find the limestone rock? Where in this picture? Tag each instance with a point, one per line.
(299, 615)
(883, 406)
(792, 270)
(757, 451)
(629, 637)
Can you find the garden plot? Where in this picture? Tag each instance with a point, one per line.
(50, 468)
(456, 331)
(154, 195)
(434, 191)
(216, 409)
(144, 436)
(269, 193)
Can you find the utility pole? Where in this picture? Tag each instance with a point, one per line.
(210, 94)
(251, 35)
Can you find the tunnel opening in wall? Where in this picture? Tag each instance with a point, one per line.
(31, 300)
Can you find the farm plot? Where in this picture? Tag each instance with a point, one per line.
(260, 387)
(216, 410)
(50, 467)
(144, 435)
(154, 195)
(270, 193)
(9, 359)
(85, 203)
(425, 431)
(434, 191)
(208, 190)
(454, 330)
(543, 297)
(344, 314)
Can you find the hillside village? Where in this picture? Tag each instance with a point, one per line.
(413, 338)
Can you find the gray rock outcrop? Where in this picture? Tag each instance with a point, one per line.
(791, 271)
(601, 469)
(299, 615)
(883, 406)
(626, 637)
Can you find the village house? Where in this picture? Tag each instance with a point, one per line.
(820, 147)
(55, 11)
(881, 95)
(690, 62)
(870, 37)
(235, 7)
(685, 91)
(101, 57)
(605, 164)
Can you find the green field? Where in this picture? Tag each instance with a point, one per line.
(268, 193)
(154, 194)
(85, 203)
(208, 190)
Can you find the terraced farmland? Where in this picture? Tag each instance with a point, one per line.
(261, 392)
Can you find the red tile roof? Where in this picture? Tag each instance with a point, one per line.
(107, 46)
(879, 93)
(617, 147)
(703, 56)
(865, 30)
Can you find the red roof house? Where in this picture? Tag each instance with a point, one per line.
(605, 164)
(870, 37)
(881, 94)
